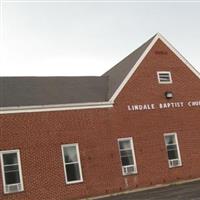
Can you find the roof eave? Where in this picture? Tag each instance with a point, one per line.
(58, 107)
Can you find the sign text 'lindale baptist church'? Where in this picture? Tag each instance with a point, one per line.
(166, 105)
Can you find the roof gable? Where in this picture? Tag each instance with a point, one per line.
(64, 93)
(119, 77)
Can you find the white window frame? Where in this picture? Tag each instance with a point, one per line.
(3, 172)
(78, 160)
(164, 72)
(133, 154)
(178, 150)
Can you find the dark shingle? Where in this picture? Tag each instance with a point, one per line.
(33, 91)
(26, 91)
(120, 71)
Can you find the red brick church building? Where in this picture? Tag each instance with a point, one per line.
(136, 126)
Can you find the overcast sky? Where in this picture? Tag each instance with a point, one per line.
(88, 38)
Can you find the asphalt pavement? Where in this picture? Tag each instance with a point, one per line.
(187, 191)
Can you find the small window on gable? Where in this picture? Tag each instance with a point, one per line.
(164, 77)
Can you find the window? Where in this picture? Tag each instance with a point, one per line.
(127, 156)
(164, 77)
(11, 171)
(173, 152)
(72, 164)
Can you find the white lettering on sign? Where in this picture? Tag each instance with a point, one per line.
(141, 107)
(193, 103)
(167, 105)
(171, 105)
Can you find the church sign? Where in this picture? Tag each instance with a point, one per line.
(166, 105)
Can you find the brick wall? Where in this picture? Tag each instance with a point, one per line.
(39, 137)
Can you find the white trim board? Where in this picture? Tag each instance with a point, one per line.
(134, 68)
(61, 107)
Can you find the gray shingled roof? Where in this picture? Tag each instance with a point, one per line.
(33, 91)
(118, 73)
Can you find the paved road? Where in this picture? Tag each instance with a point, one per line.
(188, 191)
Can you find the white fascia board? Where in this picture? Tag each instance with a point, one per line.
(134, 68)
(178, 54)
(60, 107)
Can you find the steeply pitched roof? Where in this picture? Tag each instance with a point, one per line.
(119, 71)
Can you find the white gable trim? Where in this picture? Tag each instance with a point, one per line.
(178, 54)
(61, 107)
(134, 68)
